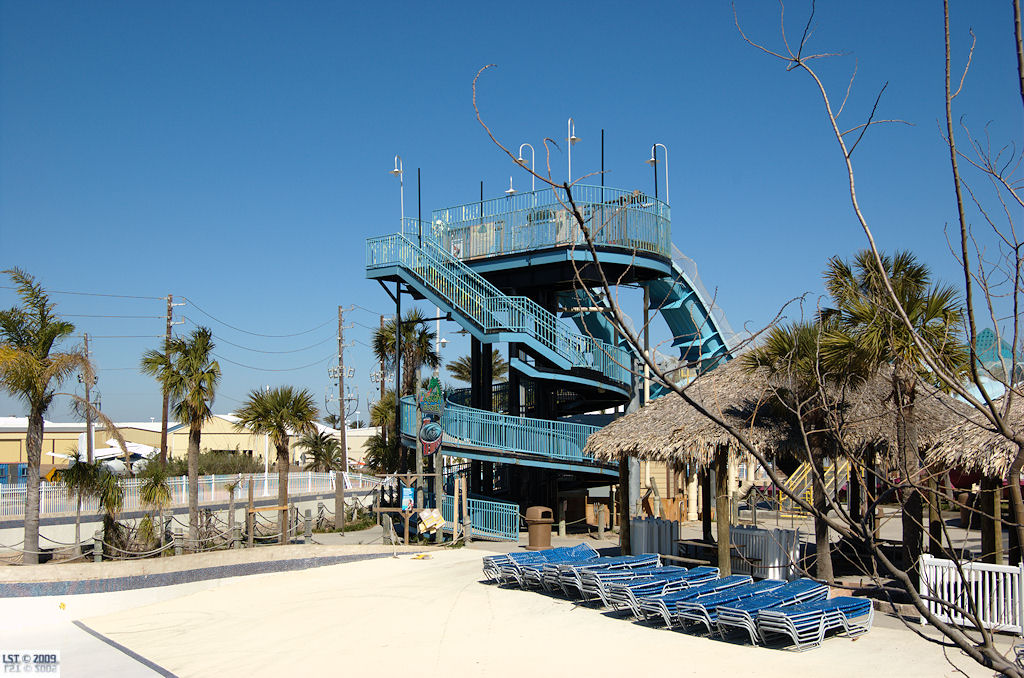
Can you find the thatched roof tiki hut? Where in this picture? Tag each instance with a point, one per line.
(975, 449)
(670, 430)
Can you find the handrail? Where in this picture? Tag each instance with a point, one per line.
(482, 303)
(538, 219)
(562, 440)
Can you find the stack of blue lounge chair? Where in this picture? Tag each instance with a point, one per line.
(594, 583)
(664, 605)
(704, 610)
(743, 613)
(517, 566)
(807, 623)
(629, 594)
(532, 573)
(568, 576)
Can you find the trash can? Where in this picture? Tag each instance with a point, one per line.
(538, 521)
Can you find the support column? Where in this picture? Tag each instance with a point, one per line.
(722, 512)
(854, 491)
(515, 399)
(705, 503)
(691, 492)
(990, 504)
(624, 506)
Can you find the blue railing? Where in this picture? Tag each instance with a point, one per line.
(488, 519)
(480, 302)
(555, 440)
(542, 219)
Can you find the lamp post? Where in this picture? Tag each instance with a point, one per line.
(521, 161)
(398, 172)
(510, 191)
(572, 139)
(653, 162)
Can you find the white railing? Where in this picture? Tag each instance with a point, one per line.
(768, 554)
(992, 592)
(54, 499)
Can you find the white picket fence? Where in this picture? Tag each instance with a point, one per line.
(995, 590)
(770, 554)
(53, 499)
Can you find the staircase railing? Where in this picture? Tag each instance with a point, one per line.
(481, 303)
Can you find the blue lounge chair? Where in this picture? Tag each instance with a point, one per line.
(594, 583)
(518, 563)
(743, 613)
(664, 605)
(569, 575)
(629, 593)
(807, 623)
(492, 564)
(704, 610)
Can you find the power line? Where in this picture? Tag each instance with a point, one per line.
(283, 369)
(89, 315)
(125, 336)
(257, 350)
(91, 294)
(255, 334)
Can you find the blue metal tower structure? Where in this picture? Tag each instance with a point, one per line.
(509, 270)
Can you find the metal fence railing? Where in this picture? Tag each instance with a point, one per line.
(554, 439)
(488, 519)
(477, 300)
(54, 499)
(994, 592)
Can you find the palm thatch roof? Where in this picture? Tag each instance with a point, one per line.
(973, 444)
(669, 429)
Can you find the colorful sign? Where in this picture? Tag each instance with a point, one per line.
(408, 498)
(432, 399)
(430, 436)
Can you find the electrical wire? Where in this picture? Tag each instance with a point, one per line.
(93, 294)
(271, 369)
(255, 334)
(89, 315)
(259, 350)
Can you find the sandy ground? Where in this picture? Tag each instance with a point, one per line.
(427, 617)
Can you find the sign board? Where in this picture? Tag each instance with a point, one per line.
(430, 436)
(408, 498)
(432, 399)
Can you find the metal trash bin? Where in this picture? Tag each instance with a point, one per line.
(538, 521)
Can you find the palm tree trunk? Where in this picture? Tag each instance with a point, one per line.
(822, 543)
(78, 524)
(33, 454)
(194, 437)
(910, 462)
(282, 490)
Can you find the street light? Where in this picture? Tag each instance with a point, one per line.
(572, 139)
(398, 172)
(521, 161)
(653, 162)
(511, 191)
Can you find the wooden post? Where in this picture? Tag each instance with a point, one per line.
(307, 533)
(934, 519)
(705, 504)
(600, 520)
(624, 547)
(467, 523)
(722, 513)
(250, 516)
(990, 501)
(97, 547)
(691, 491)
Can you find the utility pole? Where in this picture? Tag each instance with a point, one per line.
(167, 395)
(89, 443)
(339, 478)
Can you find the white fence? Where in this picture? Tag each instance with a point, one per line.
(54, 499)
(995, 591)
(771, 554)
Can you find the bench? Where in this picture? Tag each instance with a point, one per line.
(682, 559)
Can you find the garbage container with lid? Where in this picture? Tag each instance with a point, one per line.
(538, 521)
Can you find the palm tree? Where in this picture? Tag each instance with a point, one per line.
(277, 413)
(792, 354)
(382, 414)
(417, 347)
(325, 451)
(31, 370)
(332, 420)
(155, 491)
(81, 479)
(189, 375)
(110, 492)
(460, 368)
(873, 330)
(382, 455)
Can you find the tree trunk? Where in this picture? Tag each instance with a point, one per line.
(1016, 505)
(821, 541)
(194, 437)
(78, 525)
(990, 503)
(282, 490)
(33, 454)
(705, 504)
(910, 466)
(624, 547)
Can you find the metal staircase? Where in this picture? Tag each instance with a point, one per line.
(801, 483)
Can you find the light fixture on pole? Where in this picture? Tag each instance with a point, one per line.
(572, 139)
(398, 172)
(510, 191)
(653, 162)
(522, 161)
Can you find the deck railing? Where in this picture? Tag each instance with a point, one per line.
(542, 219)
(54, 499)
(556, 440)
(994, 592)
(488, 519)
(470, 295)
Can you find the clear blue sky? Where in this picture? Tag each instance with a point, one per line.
(236, 153)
